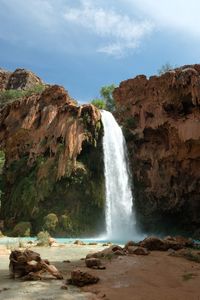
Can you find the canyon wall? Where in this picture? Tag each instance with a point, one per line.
(161, 122)
(53, 173)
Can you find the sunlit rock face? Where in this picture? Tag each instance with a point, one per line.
(20, 79)
(53, 162)
(161, 121)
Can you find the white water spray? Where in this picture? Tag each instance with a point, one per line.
(120, 219)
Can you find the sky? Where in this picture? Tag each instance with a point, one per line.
(86, 44)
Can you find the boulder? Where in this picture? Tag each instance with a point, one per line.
(93, 262)
(137, 250)
(80, 278)
(51, 241)
(107, 252)
(175, 243)
(78, 242)
(30, 266)
(153, 243)
(130, 243)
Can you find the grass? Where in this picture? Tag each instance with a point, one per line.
(12, 95)
(2, 161)
(192, 256)
(188, 276)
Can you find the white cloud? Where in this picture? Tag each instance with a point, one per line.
(117, 32)
(174, 15)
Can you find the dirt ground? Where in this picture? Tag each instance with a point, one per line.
(157, 276)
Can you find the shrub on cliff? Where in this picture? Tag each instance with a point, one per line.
(22, 229)
(165, 68)
(8, 96)
(2, 161)
(66, 223)
(99, 103)
(50, 222)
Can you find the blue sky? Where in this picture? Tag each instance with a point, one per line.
(85, 44)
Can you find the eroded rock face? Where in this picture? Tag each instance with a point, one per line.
(50, 145)
(161, 122)
(4, 77)
(20, 79)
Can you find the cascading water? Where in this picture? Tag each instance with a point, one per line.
(120, 220)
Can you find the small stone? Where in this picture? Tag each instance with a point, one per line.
(64, 287)
(93, 262)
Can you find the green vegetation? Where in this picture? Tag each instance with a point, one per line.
(50, 222)
(99, 103)
(131, 123)
(2, 162)
(188, 276)
(9, 96)
(43, 238)
(192, 256)
(66, 223)
(165, 68)
(106, 101)
(70, 206)
(22, 229)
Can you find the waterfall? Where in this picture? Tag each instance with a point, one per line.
(120, 220)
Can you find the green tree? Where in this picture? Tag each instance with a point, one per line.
(165, 68)
(106, 101)
(99, 103)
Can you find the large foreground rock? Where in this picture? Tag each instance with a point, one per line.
(30, 266)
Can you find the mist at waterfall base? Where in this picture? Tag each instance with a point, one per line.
(119, 210)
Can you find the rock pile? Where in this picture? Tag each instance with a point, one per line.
(28, 265)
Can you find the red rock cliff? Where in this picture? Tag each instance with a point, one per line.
(53, 163)
(161, 121)
(38, 124)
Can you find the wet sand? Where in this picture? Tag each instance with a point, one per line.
(157, 276)
(48, 289)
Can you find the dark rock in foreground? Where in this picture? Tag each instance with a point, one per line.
(28, 265)
(80, 278)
